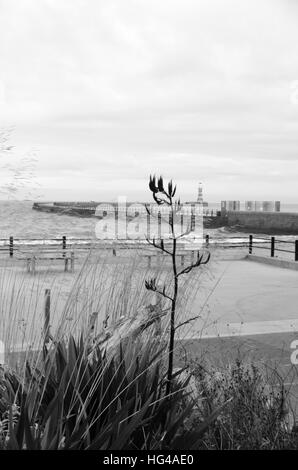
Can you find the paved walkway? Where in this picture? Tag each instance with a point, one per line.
(245, 298)
(248, 311)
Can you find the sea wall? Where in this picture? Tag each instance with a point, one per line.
(270, 222)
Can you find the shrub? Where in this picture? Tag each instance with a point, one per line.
(77, 401)
(255, 414)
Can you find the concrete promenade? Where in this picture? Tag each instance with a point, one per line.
(251, 313)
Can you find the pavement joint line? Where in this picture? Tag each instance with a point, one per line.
(224, 330)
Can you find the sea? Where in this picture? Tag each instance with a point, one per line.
(18, 219)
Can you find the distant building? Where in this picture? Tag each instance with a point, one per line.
(262, 206)
(251, 206)
(230, 206)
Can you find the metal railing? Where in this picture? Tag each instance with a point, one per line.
(272, 244)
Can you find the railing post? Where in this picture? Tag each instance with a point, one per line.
(10, 246)
(47, 313)
(296, 250)
(159, 226)
(64, 245)
(250, 244)
(148, 224)
(272, 246)
(192, 219)
(72, 258)
(207, 241)
(116, 221)
(33, 264)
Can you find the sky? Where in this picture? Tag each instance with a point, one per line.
(96, 95)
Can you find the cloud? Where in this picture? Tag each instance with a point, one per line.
(197, 89)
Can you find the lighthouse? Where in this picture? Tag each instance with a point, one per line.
(200, 194)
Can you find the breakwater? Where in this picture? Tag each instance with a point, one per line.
(74, 208)
(211, 219)
(254, 221)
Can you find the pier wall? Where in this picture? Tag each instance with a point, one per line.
(285, 222)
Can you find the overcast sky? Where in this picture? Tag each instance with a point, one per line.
(106, 92)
